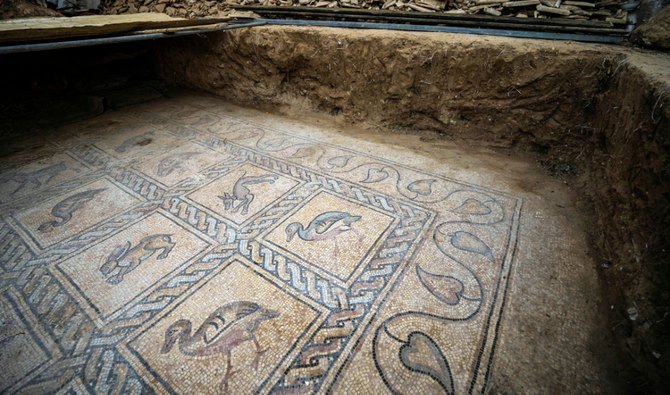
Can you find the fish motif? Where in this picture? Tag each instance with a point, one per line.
(125, 259)
(324, 226)
(225, 329)
(64, 209)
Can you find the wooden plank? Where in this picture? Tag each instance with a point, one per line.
(521, 3)
(552, 10)
(58, 28)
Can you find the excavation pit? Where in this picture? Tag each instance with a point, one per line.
(333, 210)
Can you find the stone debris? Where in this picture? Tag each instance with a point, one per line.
(175, 8)
(613, 12)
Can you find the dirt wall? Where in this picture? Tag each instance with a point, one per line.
(596, 116)
(627, 182)
(487, 89)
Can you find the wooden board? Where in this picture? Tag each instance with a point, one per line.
(53, 28)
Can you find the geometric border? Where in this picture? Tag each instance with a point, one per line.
(33, 327)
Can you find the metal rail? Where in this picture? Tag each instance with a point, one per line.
(87, 42)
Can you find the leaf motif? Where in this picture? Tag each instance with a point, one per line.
(340, 161)
(421, 354)
(468, 242)
(376, 175)
(303, 152)
(446, 288)
(275, 143)
(473, 207)
(422, 187)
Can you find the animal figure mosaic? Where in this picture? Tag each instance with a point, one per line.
(173, 162)
(125, 259)
(225, 329)
(36, 178)
(242, 194)
(325, 226)
(64, 209)
(382, 277)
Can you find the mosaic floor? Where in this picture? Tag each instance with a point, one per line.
(177, 247)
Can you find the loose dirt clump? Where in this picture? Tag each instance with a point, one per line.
(10, 9)
(656, 32)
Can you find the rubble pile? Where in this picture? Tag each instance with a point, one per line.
(613, 12)
(176, 8)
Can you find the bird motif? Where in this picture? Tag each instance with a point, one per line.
(64, 209)
(324, 226)
(225, 329)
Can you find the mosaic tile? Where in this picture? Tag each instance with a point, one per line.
(332, 234)
(38, 175)
(56, 219)
(174, 166)
(197, 251)
(243, 192)
(113, 272)
(238, 326)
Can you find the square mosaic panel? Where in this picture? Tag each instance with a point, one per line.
(239, 326)
(113, 272)
(178, 164)
(332, 234)
(243, 192)
(38, 175)
(206, 253)
(136, 142)
(68, 214)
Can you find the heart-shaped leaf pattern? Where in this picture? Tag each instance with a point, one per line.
(468, 242)
(473, 207)
(422, 187)
(376, 175)
(446, 288)
(339, 161)
(303, 152)
(274, 144)
(421, 354)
